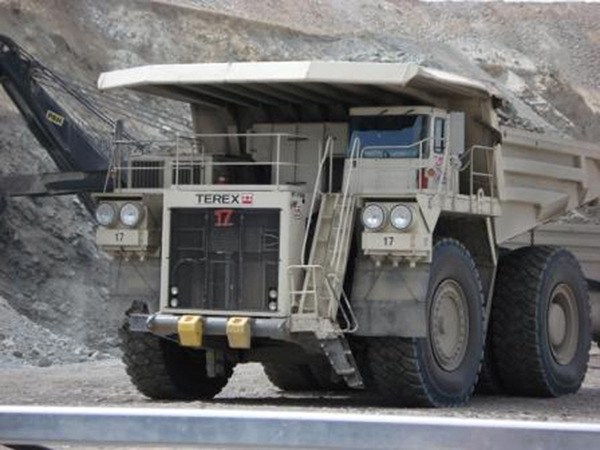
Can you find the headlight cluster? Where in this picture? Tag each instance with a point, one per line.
(373, 217)
(130, 214)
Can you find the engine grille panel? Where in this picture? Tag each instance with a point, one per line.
(224, 259)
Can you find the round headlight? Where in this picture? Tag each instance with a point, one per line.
(273, 294)
(373, 217)
(131, 214)
(106, 215)
(401, 217)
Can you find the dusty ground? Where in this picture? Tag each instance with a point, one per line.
(104, 383)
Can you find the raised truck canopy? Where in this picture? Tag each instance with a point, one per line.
(313, 90)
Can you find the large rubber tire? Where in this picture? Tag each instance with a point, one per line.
(488, 382)
(163, 370)
(528, 283)
(326, 377)
(303, 377)
(406, 371)
(291, 377)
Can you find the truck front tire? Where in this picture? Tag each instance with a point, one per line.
(303, 377)
(291, 377)
(441, 369)
(541, 322)
(163, 370)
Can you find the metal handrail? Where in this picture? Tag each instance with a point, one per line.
(328, 152)
(335, 301)
(491, 175)
(399, 147)
(422, 145)
(346, 213)
(469, 165)
(309, 271)
(349, 317)
(187, 160)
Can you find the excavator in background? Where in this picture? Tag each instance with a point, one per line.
(80, 158)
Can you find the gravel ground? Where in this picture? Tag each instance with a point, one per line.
(104, 383)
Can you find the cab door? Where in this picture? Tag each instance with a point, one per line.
(438, 154)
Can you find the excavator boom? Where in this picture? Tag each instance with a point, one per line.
(80, 160)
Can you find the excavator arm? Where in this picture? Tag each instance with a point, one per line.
(82, 164)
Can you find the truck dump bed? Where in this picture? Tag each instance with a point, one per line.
(541, 177)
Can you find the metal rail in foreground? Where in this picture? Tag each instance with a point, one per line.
(280, 429)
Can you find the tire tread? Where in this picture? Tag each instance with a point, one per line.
(396, 368)
(515, 332)
(181, 378)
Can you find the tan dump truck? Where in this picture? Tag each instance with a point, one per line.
(344, 224)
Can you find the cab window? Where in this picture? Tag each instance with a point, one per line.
(390, 136)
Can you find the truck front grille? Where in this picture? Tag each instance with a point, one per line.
(224, 259)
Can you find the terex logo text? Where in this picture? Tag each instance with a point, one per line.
(225, 199)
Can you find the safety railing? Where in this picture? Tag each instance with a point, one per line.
(190, 159)
(317, 192)
(387, 149)
(489, 175)
(341, 303)
(315, 277)
(485, 179)
(344, 231)
(419, 162)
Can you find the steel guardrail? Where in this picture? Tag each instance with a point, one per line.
(251, 429)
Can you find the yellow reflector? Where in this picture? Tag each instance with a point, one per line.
(238, 332)
(189, 329)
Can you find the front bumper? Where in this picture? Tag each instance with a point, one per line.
(191, 329)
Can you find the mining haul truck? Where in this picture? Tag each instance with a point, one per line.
(343, 224)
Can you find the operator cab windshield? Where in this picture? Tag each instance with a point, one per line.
(389, 136)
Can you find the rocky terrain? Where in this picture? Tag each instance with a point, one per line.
(543, 59)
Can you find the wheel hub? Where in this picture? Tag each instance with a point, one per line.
(563, 324)
(449, 325)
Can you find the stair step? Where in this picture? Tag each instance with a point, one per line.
(341, 359)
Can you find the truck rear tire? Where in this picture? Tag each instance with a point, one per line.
(163, 370)
(541, 322)
(488, 383)
(441, 369)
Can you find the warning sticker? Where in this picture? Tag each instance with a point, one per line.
(55, 118)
